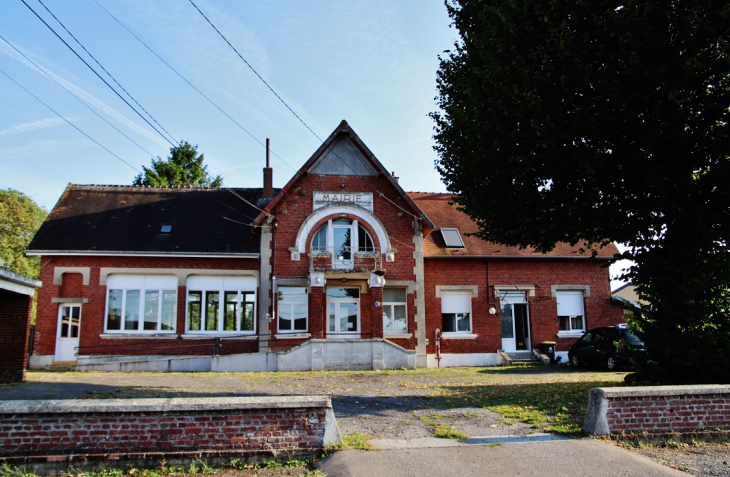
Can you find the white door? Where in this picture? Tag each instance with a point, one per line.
(515, 322)
(67, 338)
(343, 312)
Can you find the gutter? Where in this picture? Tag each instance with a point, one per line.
(120, 253)
(512, 257)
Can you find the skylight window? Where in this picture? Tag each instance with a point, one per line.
(166, 229)
(452, 238)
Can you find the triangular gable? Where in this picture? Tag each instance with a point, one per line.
(344, 153)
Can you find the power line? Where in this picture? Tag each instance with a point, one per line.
(191, 85)
(69, 122)
(105, 70)
(255, 72)
(97, 74)
(42, 70)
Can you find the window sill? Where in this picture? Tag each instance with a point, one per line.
(570, 334)
(459, 336)
(123, 336)
(207, 336)
(398, 335)
(292, 336)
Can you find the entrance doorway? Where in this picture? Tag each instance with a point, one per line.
(67, 339)
(343, 312)
(515, 322)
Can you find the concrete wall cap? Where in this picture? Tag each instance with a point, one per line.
(163, 405)
(653, 391)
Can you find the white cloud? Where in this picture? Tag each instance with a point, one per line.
(45, 123)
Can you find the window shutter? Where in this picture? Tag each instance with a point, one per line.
(455, 302)
(570, 303)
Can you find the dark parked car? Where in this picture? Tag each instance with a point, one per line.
(604, 347)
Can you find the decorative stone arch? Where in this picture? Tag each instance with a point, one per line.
(317, 217)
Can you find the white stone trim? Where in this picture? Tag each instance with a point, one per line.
(308, 225)
(474, 289)
(571, 334)
(458, 336)
(530, 289)
(292, 336)
(59, 271)
(586, 289)
(181, 273)
(69, 300)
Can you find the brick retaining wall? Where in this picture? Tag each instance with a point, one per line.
(658, 409)
(251, 428)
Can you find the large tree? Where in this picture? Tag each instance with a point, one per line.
(184, 167)
(20, 219)
(596, 120)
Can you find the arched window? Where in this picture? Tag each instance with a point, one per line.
(341, 238)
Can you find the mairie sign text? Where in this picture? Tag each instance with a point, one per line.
(362, 199)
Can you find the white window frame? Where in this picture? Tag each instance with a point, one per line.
(141, 284)
(290, 306)
(355, 248)
(221, 285)
(448, 299)
(392, 305)
(567, 310)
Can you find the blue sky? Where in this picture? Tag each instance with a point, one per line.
(372, 63)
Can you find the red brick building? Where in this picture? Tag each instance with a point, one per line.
(340, 269)
(16, 303)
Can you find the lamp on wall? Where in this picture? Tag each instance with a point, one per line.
(492, 310)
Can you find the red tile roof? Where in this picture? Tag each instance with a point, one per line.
(443, 214)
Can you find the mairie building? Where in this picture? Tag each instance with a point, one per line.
(339, 269)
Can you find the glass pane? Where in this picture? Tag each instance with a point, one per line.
(400, 324)
(448, 322)
(394, 295)
(300, 317)
(319, 242)
(508, 328)
(348, 317)
(131, 310)
(151, 309)
(576, 322)
(211, 311)
(75, 321)
(462, 322)
(332, 317)
(194, 301)
(247, 318)
(230, 318)
(343, 292)
(114, 313)
(341, 242)
(65, 321)
(169, 310)
(564, 323)
(388, 317)
(292, 294)
(365, 242)
(285, 317)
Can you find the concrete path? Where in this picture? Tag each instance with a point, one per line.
(553, 458)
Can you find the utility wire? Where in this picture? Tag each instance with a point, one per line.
(191, 84)
(255, 72)
(106, 71)
(42, 70)
(98, 75)
(69, 122)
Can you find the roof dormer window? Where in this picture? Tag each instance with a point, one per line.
(452, 238)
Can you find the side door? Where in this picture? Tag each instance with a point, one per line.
(68, 331)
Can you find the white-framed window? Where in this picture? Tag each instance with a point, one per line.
(571, 316)
(456, 312)
(342, 237)
(293, 309)
(221, 304)
(394, 310)
(141, 303)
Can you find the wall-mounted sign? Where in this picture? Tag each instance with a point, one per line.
(362, 199)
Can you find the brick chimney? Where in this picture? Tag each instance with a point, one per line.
(268, 191)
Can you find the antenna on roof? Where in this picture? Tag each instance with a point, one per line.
(268, 173)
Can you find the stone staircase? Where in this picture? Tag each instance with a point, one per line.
(526, 358)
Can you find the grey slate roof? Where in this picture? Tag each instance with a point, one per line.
(128, 219)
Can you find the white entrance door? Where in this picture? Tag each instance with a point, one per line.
(67, 339)
(515, 322)
(343, 310)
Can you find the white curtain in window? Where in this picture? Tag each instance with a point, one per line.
(570, 303)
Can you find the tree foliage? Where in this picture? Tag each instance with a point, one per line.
(596, 120)
(20, 219)
(184, 167)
